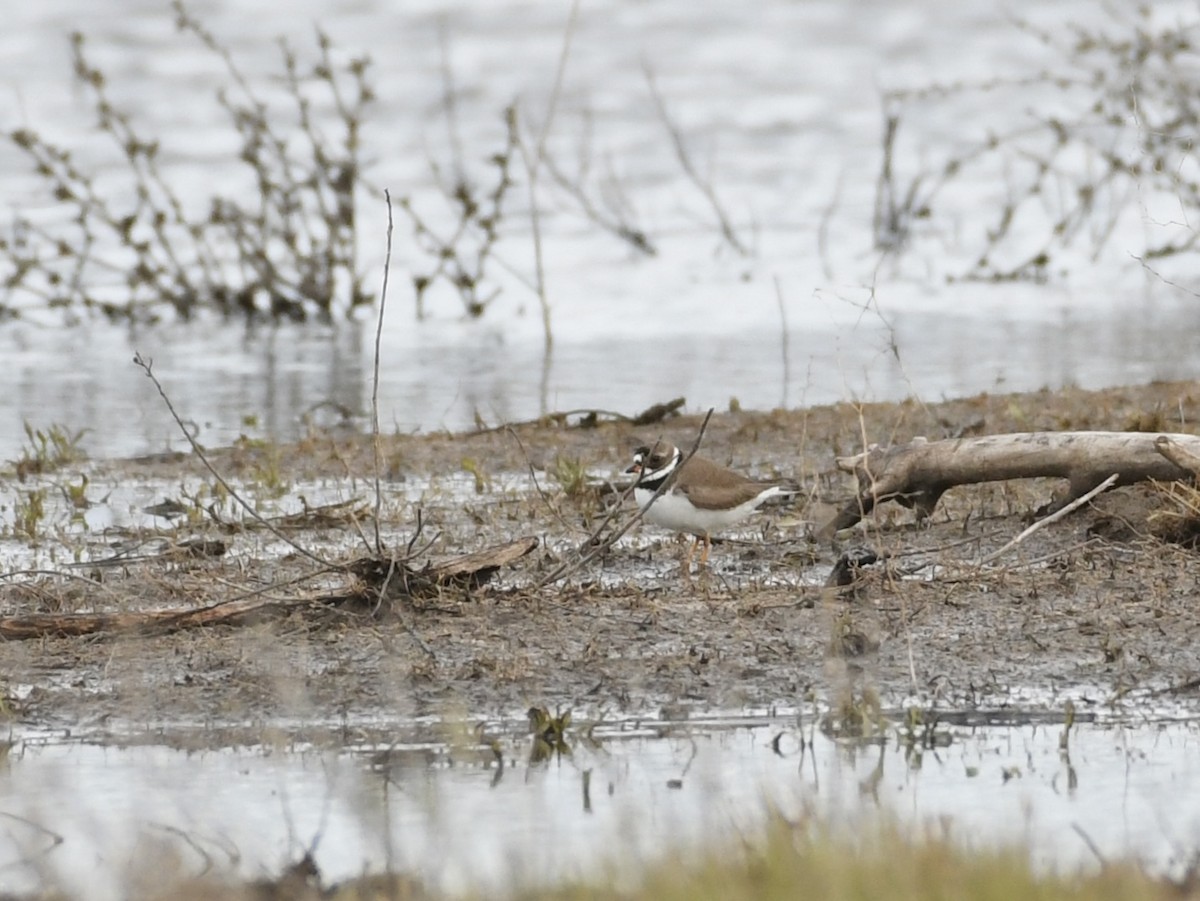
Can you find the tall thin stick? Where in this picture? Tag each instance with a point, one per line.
(533, 163)
(387, 265)
(783, 338)
(593, 546)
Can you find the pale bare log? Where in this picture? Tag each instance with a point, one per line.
(917, 474)
(1183, 456)
(40, 625)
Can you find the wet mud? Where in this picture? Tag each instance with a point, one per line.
(1098, 609)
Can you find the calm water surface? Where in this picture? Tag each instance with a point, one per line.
(781, 111)
(78, 814)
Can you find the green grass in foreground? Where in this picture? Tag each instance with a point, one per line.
(803, 862)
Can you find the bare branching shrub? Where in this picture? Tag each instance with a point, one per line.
(1107, 131)
(286, 249)
(459, 255)
(601, 198)
(699, 181)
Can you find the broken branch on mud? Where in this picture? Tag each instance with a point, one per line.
(917, 474)
(589, 417)
(464, 572)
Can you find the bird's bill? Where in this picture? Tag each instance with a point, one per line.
(636, 467)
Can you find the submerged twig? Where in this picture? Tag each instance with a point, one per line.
(689, 168)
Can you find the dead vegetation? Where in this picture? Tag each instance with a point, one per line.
(283, 242)
(368, 586)
(956, 611)
(1107, 135)
(289, 253)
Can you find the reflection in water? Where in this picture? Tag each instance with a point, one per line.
(230, 381)
(224, 382)
(790, 141)
(459, 819)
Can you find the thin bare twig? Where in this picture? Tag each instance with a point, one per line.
(147, 366)
(400, 614)
(1045, 521)
(559, 72)
(592, 547)
(536, 485)
(970, 572)
(1092, 846)
(17, 573)
(533, 163)
(267, 589)
(689, 168)
(55, 838)
(615, 220)
(387, 265)
(186, 837)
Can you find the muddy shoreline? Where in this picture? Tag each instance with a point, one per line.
(1094, 610)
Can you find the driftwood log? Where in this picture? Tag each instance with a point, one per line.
(466, 571)
(918, 473)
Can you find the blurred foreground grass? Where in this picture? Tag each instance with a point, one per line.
(788, 861)
(804, 861)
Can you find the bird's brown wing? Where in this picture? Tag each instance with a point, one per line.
(712, 487)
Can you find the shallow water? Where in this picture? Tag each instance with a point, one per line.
(781, 110)
(226, 384)
(440, 812)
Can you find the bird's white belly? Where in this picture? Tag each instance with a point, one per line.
(675, 511)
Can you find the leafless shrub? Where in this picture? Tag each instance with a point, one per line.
(288, 252)
(460, 255)
(1108, 130)
(701, 183)
(601, 199)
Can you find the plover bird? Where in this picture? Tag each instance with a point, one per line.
(703, 498)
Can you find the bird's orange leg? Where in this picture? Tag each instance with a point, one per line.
(687, 557)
